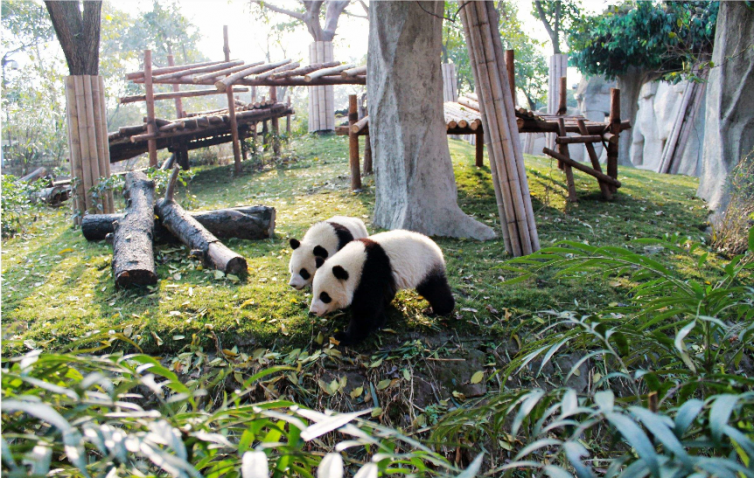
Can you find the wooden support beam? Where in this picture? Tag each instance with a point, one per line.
(604, 187)
(586, 138)
(479, 150)
(563, 98)
(195, 71)
(149, 97)
(353, 143)
(359, 70)
(232, 111)
(229, 80)
(327, 72)
(615, 128)
(177, 95)
(303, 70)
(510, 67)
(563, 149)
(367, 155)
(585, 169)
(275, 124)
(135, 75)
(176, 89)
(212, 76)
(359, 125)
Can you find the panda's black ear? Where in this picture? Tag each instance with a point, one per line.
(319, 261)
(320, 251)
(340, 273)
(294, 243)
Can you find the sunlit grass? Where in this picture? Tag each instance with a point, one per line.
(57, 286)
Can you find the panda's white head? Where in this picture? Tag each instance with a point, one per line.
(305, 261)
(330, 289)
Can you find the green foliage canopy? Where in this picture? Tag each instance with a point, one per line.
(668, 38)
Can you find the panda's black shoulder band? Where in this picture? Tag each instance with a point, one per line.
(344, 235)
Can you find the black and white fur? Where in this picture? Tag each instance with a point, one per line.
(367, 273)
(321, 241)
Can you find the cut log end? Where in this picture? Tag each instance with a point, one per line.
(136, 277)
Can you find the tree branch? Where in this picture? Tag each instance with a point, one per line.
(334, 9)
(270, 6)
(548, 27)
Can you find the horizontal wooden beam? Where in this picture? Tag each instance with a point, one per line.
(592, 138)
(177, 94)
(169, 69)
(583, 168)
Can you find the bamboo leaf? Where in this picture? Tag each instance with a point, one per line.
(637, 439)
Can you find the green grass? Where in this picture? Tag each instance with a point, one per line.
(57, 286)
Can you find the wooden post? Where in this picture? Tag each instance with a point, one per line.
(151, 127)
(183, 159)
(604, 187)
(288, 117)
(275, 124)
(367, 155)
(615, 127)
(353, 143)
(510, 66)
(563, 149)
(232, 110)
(176, 88)
(479, 143)
(563, 98)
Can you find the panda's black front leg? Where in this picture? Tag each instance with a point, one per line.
(365, 317)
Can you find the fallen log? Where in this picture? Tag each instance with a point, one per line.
(35, 175)
(53, 196)
(195, 236)
(133, 257)
(244, 222)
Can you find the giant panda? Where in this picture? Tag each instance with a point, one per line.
(367, 273)
(321, 241)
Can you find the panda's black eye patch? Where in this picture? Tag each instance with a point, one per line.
(305, 274)
(325, 297)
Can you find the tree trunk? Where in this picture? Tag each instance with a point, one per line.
(133, 257)
(415, 185)
(729, 129)
(78, 35)
(246, 222)
(630, 87)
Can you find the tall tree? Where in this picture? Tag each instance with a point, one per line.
(642, 41)
(78, 31)
(310, 14)
(415, 185)
(557, 17)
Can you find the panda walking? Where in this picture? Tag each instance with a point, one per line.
(366, 274)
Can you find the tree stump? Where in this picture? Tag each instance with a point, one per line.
(133, 257)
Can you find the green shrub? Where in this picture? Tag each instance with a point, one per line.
(128, 415)
(674, 354)
(18, 209)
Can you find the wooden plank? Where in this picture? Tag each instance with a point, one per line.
(585, 169)
(177, 95)
(229, 80)
(169, 69)
(195, 71)
(151, 127)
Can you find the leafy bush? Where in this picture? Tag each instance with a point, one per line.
(675, 354)
(17, 205)
(123, 415)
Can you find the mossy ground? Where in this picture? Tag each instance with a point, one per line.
(58, 287)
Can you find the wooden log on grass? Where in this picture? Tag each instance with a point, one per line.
(243, 222)
(133, 256)
(190, 232)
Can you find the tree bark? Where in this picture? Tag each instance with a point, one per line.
(78, 35)
(415, 185)
(133, 257)
(729, 129)
(630, 87)
(246, 222)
